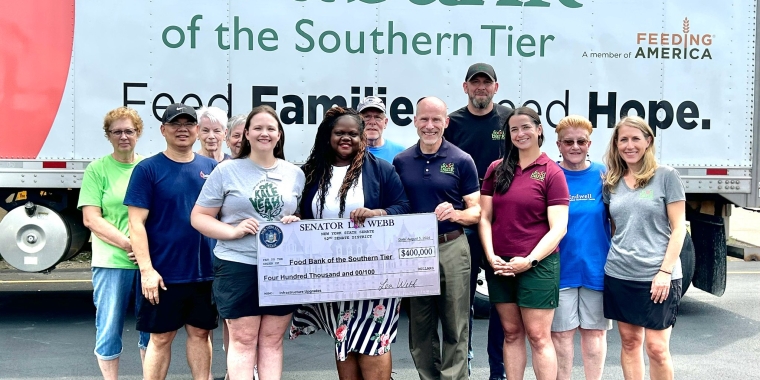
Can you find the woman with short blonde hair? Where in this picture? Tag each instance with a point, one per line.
(583, 252)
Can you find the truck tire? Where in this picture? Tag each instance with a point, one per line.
(481, 304)
(687, 263)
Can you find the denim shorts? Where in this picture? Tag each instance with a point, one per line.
(114, 289)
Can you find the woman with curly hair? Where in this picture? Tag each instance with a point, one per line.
(343, 180)
(642, 276)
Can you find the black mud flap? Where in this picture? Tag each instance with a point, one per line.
(708, 234)
(687, 263)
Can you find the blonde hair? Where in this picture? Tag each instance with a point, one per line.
(574, 121)
(122, 113)
(616, 166)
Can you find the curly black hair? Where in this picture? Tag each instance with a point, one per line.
(318, 167)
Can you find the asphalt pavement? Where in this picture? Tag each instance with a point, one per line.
(47, 332)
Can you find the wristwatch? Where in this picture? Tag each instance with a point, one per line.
(533, 262)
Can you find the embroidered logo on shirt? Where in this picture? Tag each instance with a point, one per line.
(538, 176)
(497, 135)
(646, 194)
(447, 168)
(266, 200)
(204, 175)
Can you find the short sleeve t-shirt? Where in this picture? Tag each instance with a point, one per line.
(169, 189)
(642, 227)
(583, 250)
(387, 151)
(354, 197)
(520, 218)
(429, 180)
(104, 185)
(480, 136)
(242, 189)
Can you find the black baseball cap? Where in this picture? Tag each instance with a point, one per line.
(176, 110)
(480, 68)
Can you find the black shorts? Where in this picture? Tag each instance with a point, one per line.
(236, 291)
(631, 302)
(180, 304)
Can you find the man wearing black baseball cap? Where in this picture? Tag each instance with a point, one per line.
(372, 110)
(177, 110)
(174, 258)
(481, 68)
(477, 129)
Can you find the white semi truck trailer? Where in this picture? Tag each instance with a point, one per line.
(686, 66)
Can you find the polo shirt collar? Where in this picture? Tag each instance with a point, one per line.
(443, 150)
(543, 159)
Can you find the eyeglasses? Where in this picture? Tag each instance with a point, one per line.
(370, 118)
(176, 125)
(580, 142)
(127, 132)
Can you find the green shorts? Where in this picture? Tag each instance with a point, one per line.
(536, 288)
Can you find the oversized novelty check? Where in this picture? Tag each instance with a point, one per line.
(332, 260)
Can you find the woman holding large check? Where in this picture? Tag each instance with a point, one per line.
(343, 179)
(257, 186)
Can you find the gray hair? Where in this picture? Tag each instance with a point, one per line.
(214, 115)
(382, 114)
(234, 122)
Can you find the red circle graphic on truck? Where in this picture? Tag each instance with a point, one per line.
(37, 38)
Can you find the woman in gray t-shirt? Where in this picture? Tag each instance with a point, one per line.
(258, 186)
(642, 282)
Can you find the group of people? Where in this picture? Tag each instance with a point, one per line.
(566, 245)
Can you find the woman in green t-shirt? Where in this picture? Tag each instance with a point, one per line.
(115, 277)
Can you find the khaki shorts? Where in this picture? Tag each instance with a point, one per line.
(580, 307)
(536, 288)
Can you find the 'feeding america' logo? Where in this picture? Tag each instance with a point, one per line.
(684, 45)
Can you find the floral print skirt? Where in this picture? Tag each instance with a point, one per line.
(367, 327)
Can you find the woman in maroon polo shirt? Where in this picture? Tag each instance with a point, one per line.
(524, 202)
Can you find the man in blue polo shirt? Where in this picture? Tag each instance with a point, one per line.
(439, 177)
(174, 258)
(372, 110)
